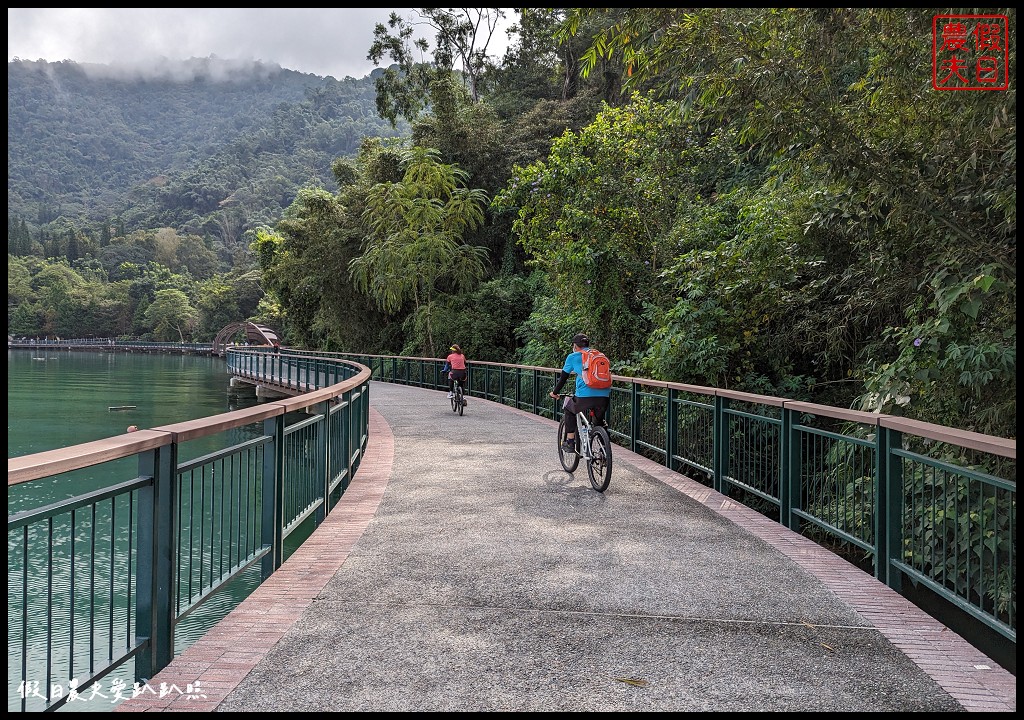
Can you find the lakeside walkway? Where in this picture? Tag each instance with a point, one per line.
(465, 571)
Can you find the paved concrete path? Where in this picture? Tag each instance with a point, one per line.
(464, 570)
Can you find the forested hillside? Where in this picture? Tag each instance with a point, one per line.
(208, 146)
(777, 201)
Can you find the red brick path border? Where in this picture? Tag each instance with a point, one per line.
(225, 655)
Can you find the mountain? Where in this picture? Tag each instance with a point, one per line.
(197, 145)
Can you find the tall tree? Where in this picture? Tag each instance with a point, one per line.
(305, 261)
(913, 189)
(460, 36)
(171, 314)
(165, 244)
(415, 246)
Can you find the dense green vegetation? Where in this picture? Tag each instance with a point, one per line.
(774, 201)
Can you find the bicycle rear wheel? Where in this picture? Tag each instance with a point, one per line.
(455, 398)
(570, 460)
(460, 398)
(599, 467)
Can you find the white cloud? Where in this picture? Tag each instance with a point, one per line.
(324, 42)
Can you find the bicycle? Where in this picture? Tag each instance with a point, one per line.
(458, 398)
(596, 448)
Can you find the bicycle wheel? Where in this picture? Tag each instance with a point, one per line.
(460, 398)
(569, 461)
(456, 403)
(600, 466)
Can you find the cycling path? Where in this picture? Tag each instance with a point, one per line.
(465, 571)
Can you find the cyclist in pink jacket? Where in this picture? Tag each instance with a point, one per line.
(457, 365)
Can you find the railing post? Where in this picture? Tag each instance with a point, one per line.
(322, 460)
(361, 431)
(157, 526)
(272, 520)
(536, 392)
(888, 507)
(671, 428)
(720, 441)
(556, 405)
(352, 437)
(344, 417)
(789, 470)
(634, 420)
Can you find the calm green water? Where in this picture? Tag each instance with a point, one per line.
(57, 399)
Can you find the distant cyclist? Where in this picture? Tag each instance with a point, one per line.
(456, 364)
(587, 398)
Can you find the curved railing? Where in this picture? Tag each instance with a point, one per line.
(101, 579)
(927, 505)
(914, 502)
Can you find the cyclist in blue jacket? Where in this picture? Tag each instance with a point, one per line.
(587, 398)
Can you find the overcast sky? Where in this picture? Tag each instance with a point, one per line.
(310, 40)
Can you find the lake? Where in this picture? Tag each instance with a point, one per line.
(60, 398)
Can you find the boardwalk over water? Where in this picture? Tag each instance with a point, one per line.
(464, 570)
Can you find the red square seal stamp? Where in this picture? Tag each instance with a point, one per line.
(970, 52)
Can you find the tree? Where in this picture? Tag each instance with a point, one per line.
(460, 35)
(25, 320)
(19, 281)
(171, 313)
(464, 35)
(415, 244)
(196, 258)
(166, 242)
(217, 305)
(19, 242)
(598, 216)
(135, 249)
(912, 191)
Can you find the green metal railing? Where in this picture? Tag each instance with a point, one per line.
(921, 503)
(114, 570)
(102, 579)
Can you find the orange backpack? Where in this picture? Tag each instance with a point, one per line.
(597, 370)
